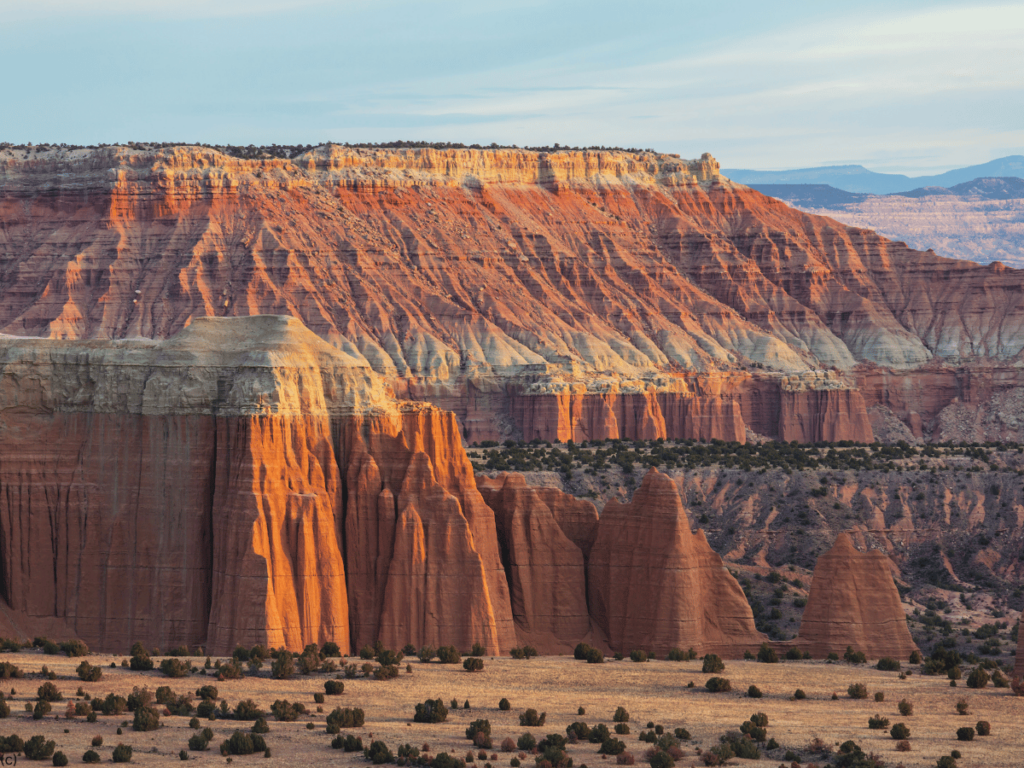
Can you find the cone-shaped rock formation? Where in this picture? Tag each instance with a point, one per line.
(854, 602)
(655, 585)
(545, 535)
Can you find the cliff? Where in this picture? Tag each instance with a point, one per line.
(854, 602)
(551, 295)
(190, 492)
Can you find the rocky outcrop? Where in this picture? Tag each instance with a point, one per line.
(853, 601)
(546, 536)
(655, 585)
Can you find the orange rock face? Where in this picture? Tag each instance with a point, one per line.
(421, 544)
(853, 601)
(655, 585)
(546, 536)
(1018, 669)
(190, 492)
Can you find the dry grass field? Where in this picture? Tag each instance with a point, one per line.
(654, 691)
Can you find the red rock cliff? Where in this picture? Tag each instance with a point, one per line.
(191, 492)
(481, 280)
(546, 535)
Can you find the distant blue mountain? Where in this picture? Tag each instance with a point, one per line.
(826, 196)
(857, 178)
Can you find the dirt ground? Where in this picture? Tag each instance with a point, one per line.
(654, 691)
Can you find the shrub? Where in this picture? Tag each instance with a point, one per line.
(767, 655)
(622, 729)
(88, 672)
(718, 685)
(141, 662)
(378, 753)
(978, 678)
(878, 723)
(682, 734)
(712, 664)
(248, 710)
(90, 757)
(242, 743)
(49, 692)
(879, 696)
(349, 743)
(578, 731)
(754, 692)
(638, 656)
(857, 691)
(283, 666)
(41, 710)
(431, 711)
(8, 670)
(38, 748)
(526, 742)
(174, 667)
(198, 742)
(899, 731)
(504, 705)
(287, 712)
(626, 758)
(595, 656)
(479, 732)
(799, 694)
(59, 758)
(122, 754)
(448, 654)
(915, 657)
(473, 664)
(146, 719)
(531, 719)
(854, 657)
(902, 745)
(965, 734)
(962, 708)
(426, 653)
(599, 734)
(208, 692)
(888, 664)
(385, 672)
(97, 741)
(621, 715)
(75, 648)
(794, 654)
(346, 718)
(612, 746)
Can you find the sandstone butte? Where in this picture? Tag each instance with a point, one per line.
(553, 295)
(853, 601)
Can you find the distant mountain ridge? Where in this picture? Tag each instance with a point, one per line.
(857, 178)
(826, 196)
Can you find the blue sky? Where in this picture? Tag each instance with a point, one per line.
(899, 86)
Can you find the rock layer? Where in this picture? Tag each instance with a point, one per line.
(853, 601)
(655, 585)
(481, 280)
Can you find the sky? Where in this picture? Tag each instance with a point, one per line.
(903, 86)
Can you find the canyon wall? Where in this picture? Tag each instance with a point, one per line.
(554, 295)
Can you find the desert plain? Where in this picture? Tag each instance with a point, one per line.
(655, 691)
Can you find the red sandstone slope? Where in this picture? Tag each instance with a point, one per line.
(570, 294)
